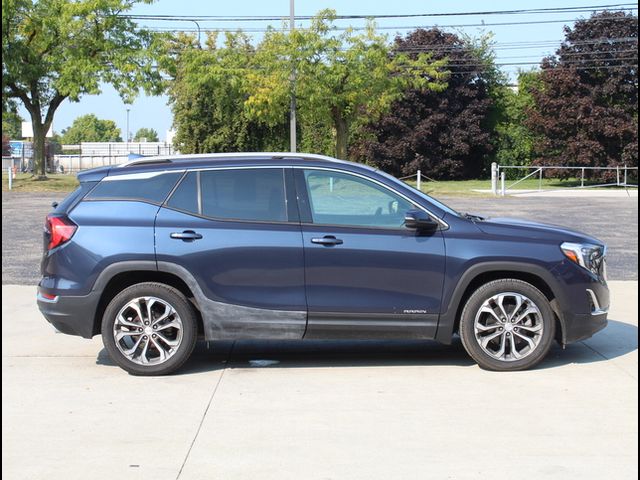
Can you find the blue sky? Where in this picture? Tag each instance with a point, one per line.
(153, 112)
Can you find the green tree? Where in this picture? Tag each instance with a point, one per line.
(586, 108)
(514, 139)
(54, 50)
(11, 121)
(89, 128)
(146, 134)
(338, 77)
(207, 90)
(445, 134)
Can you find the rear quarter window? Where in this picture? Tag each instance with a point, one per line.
(185, 196)
(71, 200)
(152, 189)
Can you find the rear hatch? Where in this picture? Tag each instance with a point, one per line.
(58, 228)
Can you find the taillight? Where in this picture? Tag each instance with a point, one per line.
(48, 296)
(60, 229)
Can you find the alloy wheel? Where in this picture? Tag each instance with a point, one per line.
(148, 331)
(508, 326)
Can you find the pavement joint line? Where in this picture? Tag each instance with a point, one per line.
(206, 410)
(611, 361)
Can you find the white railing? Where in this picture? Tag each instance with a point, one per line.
(420, 177)
(10, 162)
(498, 174)
(75, 163)
(114, 149)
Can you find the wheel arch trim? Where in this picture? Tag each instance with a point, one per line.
(449, 317)
(220, 320)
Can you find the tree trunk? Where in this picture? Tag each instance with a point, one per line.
(39, 138)
(342, 135)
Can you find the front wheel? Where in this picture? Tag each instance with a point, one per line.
(507, 325)
(149, 329)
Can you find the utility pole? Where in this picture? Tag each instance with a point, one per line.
(292, 133)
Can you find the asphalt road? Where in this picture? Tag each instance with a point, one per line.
(613, 220)
(318, 410)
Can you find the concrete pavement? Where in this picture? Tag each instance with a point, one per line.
(334, 410)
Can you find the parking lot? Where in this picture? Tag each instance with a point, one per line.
(322, 410)
(613, 220)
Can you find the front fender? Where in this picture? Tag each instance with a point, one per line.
(448, 316)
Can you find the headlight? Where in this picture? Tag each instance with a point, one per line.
(586, 255)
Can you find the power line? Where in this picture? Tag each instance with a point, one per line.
(258, 18)
(575, 60)
(522, 45)
(397, 27)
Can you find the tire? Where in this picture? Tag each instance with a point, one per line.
(494, 336)
(169, 341)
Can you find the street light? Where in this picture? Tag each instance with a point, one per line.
(127, 132)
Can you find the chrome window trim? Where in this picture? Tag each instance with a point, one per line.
(140, 175)
(444, 225)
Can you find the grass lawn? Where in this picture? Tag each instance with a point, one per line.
(26, 182)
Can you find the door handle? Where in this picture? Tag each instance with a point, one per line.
(327, 240)
(187, 235)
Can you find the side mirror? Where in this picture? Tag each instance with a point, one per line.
(420, 221)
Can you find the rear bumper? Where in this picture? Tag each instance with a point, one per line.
(73, 315)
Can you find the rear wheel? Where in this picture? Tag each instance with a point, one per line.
(507, 325)
(149, 329)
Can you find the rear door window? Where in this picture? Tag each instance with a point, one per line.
(252, 194)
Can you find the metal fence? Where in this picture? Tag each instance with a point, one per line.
(420, 178)
(11, 163)
(75, 163)
(99, 154)
(622, 174)
(116, 149)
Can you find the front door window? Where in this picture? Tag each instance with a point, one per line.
(346, 200)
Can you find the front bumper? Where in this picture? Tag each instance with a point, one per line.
(588, 316)
(73, 315)
(580, 327)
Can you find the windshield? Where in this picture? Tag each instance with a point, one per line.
(431, 200)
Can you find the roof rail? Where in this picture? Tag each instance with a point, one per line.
(142, 161)
(219, 156)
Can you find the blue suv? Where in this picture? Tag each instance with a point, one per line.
(159, 252)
